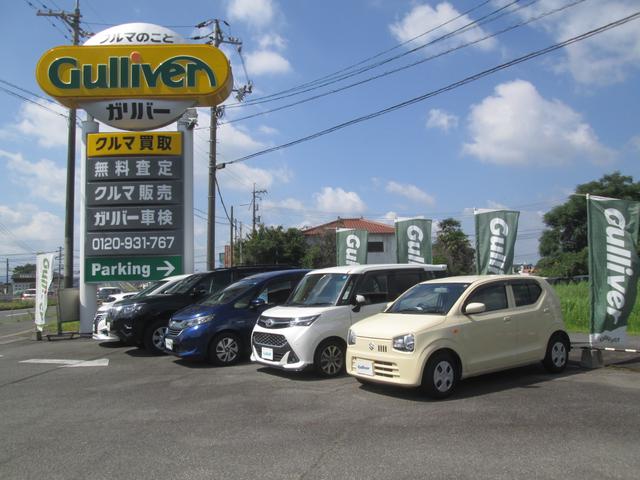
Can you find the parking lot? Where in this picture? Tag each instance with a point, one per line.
(126, 415)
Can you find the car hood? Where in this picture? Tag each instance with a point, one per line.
(194, 311)
(293, 312)
(388, 325)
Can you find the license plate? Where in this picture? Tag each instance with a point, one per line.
(364, 367)
(168, 343)
(267, 353)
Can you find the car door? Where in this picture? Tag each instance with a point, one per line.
(530, 319)
(273, 293)
(489, 337)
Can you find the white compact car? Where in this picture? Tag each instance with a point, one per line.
(443, 330)
(100, 326)
(311, 328)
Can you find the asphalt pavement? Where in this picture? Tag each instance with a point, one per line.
(125, 415)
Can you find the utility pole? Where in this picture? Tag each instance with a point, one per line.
(231, 231)
(256, 194)
(73, 21)
(217, 38)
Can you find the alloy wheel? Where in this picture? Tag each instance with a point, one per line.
(227, 350)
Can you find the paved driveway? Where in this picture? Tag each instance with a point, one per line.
(142, 417)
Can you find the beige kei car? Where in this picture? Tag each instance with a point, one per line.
(441, 331)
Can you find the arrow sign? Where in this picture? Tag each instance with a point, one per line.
(130, 269)
(168, 268)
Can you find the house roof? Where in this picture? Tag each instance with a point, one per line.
(357, 223)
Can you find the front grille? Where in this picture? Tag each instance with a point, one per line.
(382, 348)
(380, 369)
(269, 339)
(173, 331)
(270, 322)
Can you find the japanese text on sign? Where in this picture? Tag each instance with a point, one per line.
(123, 144)
(141, 168)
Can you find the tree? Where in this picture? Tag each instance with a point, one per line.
(563, 245)
(26, 269)
(274, 245)
(323, 253)
(453, 248)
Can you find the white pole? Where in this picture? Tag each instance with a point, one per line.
(88, 304)
(185, 125)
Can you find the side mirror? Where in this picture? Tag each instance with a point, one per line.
(475, 307)
(257, 303)
(358, 301)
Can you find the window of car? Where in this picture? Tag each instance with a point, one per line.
(526, 293)
(428, 298)
(401, 281)
(318, 289)
(493, 296)
(374, 287)
(276, 292)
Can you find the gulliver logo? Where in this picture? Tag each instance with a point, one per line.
(73, 74)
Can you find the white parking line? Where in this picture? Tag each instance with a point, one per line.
(16, 334)
(102, 362)
(16, 314)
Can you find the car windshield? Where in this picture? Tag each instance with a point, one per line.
(229, 294)
(429, 298)
(318, 289)
(184, 286)
(150, 288)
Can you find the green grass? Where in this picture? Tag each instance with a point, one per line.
(574, 299)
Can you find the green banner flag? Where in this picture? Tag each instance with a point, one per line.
(496, 232)
(613, 267)
(413, 237)
(351, 246)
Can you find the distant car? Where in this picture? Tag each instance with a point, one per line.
(28, 294)
(218, 328)
(104, 292)
(441, 331)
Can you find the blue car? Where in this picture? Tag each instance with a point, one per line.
(219, 327)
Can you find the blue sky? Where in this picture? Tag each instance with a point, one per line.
(522, 138)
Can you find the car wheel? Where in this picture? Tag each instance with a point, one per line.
(557, 355)
(440, 375)
(329, 359)
(153, 340)
(224, 349)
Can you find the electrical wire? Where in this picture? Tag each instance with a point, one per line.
(410, 65)
(341, 72)
(447, 88)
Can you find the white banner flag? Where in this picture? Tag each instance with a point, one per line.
(44, 275)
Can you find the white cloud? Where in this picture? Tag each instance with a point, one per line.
(517, 126)
(604, 59)
(411, 192)
(391, 215)
(266, 62)
(268, 130)
(272, 40)
(47, 127)
(424, 18)
(635, 142)
(257, 13)
(339, 201)
(29, 227)
(441, 119)
(44, 178)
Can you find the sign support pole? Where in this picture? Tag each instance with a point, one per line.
(185, 125)
(88, 303)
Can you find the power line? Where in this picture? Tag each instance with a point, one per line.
(26, 99)
(441, 90)
(410, 65)
(346, 69)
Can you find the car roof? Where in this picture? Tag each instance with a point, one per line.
(349, 269)
(483, 278)
(277, 273)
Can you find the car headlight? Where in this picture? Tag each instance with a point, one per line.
(404, 343)
(303, 321)
(128, 311)
(192, 322)
(351, 337)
